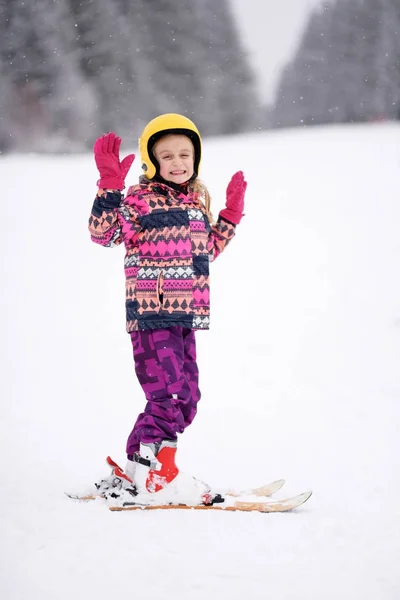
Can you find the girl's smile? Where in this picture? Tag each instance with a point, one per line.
(175, 154)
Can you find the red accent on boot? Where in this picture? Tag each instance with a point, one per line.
(207, 499)
(117, 471)
(157, 480)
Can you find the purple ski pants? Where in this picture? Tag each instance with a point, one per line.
(165, 364)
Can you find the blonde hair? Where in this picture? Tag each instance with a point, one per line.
(204, 197)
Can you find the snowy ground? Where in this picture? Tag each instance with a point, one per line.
(304, 385)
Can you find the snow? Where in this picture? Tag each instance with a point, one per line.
(299, 375)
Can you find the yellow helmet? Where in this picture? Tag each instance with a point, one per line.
(164, 125)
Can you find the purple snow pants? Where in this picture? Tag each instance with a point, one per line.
(165, 364)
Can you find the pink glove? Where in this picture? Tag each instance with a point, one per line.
(235, 199)
(112, 171)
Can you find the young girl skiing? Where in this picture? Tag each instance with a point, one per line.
(169, 235)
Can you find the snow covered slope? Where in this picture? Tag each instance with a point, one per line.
(304, 385)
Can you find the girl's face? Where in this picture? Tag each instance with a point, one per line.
(175, 155)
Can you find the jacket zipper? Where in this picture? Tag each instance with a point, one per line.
(160, 291)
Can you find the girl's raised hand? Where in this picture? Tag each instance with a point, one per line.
(235, 199)
(106, 155)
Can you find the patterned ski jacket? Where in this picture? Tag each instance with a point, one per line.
(169, 244)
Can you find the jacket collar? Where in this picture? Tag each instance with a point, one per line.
(185, 190)
(185, 187)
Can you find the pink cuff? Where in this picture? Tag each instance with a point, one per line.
(111, 183)
(233, 216)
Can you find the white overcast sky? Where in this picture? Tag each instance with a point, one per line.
(270, 31)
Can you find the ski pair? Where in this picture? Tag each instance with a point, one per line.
(215, 502)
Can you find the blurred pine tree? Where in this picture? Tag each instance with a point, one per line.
(71, 70)
(346, 68)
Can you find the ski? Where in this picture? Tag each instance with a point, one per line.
(264, 490)
(262, 507)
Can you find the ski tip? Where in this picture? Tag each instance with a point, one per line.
(274, 506)
(81, 498)
(270, 488)
(301, 498)
(72, 496)
(280, 482)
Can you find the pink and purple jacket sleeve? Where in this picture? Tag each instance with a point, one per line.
(221, 234)
(112, 220)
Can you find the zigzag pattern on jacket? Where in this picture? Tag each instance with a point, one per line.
(169, 244)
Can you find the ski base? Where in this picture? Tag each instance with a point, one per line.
(262, 507)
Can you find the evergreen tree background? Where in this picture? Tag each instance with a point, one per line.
(346, 68)
(72, 69)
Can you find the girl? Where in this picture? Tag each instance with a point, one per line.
(170, 237)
